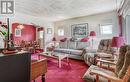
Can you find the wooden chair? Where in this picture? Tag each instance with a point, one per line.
(118, 76)
(38, 68)
(110, 77)
(107, 64)
(98, 74)
(110, 64)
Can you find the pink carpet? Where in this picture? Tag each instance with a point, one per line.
(71, 72)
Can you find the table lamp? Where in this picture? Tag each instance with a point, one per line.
(117, 42)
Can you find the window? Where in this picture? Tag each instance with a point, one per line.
(61, 32)
(49, 30)
(106, 29)
(40, 34)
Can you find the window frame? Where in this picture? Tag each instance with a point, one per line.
(41, 33)
(62, 30)
(102, 29)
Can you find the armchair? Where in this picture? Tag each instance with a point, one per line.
(110, 78)
(95, 73)
(104, 51)
(109, 64)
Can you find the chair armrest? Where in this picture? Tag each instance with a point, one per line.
(109, 59)
(103, 55)
(105, 75)
(106, 61)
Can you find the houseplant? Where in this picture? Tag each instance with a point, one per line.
(3, 34)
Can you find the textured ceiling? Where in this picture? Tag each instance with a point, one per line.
(55, 10)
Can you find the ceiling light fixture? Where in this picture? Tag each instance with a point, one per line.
(20, 26)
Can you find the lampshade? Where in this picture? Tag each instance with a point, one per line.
(53, 39)
(40, 29)
(92, 33)
(117, 41)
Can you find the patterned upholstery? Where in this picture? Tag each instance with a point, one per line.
(125, 52)
(125, 65)
(121, 59)
(105, 46)
(89, 59)
(92, 78)
(104, 50)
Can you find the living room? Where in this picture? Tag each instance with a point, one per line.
(64, 41)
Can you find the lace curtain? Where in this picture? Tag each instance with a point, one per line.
(1, 42)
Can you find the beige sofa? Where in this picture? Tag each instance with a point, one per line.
(75, 49)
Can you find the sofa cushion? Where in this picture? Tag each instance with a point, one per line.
(81, 45)
(69, 51)
(72, 45)
(63, 44)
(92, 78)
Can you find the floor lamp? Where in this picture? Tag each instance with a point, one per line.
(92, 34)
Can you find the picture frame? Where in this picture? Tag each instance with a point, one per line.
(49, 30)
(80, 30)
(17, 32)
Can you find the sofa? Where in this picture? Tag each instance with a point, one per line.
(75, 49)
(76, 54)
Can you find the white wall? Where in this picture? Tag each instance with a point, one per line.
(27, 19)
(125, 12)
(93, 22)
(126, 29)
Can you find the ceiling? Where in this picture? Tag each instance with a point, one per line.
(55, 10)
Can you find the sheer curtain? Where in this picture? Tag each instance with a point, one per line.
(1, 42)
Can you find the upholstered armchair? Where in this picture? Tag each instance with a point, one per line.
(98, 74)
(104, 51)
(105, 46)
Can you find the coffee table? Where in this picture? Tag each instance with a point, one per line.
(57, 55)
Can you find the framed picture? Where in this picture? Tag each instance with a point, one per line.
(17, 32)
(49, 30)
(79, 30)
(60, 32)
